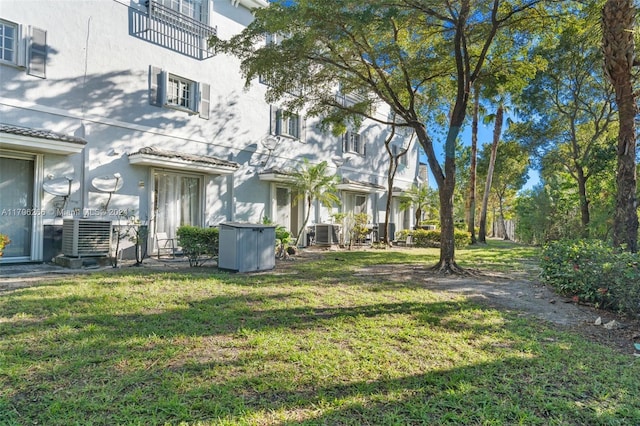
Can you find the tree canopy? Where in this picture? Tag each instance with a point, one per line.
(418, 57)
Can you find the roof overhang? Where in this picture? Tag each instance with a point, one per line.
(355, 186)
(398, 192)
(41, 141)
(276, 175)
(153, 157)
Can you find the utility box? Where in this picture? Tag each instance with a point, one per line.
(246, 247)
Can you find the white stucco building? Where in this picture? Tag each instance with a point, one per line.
(117, 106)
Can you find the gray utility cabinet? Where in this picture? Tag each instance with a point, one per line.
(246, 247)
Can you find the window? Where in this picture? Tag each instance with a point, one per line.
(286, 123)
(173, 91)
(353, 142)
(291, 124)
(180, 92)
(8, 41)
(22, 51)
(397, 150)
(195, 9)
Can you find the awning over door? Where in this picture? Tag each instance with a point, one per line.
(277, 175)
(41, 141)
(357, 186)
(150, 156)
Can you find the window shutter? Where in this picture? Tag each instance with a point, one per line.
(156, 86)
(37, 61)
(22, 48)
(302, 130)
(205, 102)
(344, 143)
(363, 146)
(275, 114)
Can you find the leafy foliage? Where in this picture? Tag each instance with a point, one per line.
(314, 182)
(198, 244)
(431, 238)
(4, 241)
(593, 272)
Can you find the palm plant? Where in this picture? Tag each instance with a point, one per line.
(311, 183)
(422, 198)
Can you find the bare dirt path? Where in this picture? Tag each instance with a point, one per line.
(522, 295)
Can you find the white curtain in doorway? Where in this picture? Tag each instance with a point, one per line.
(177, 199)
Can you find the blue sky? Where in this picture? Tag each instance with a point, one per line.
(485, 135)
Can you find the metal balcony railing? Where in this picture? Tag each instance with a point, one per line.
(169, 28)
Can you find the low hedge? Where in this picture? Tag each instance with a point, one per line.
(198, 244)
(431, 238)
(593, 272)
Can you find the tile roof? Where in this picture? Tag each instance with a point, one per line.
(201, 159)
(40, 134)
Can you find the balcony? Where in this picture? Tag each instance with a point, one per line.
(171, 29)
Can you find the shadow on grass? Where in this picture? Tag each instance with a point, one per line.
(117, 353)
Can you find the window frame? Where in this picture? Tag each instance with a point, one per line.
(287, 124)
(354, 143)
(194, 9)
(199, 101)
(17, 39)
(176, 88)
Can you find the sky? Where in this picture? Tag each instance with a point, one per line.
(485, 135)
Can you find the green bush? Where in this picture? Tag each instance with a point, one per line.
(198, 244)
(593, 272)
(4, 241)
(431, 238)
(424, 238)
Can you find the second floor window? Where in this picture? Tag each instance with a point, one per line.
(8, 41)
(353, 142)
(180, 92)
(173, 91)
(286, 123)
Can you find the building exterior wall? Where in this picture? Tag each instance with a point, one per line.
(99, 87)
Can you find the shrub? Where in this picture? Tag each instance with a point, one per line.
(593, 272)
(431, 238)
(4, 241)
(424, 238)
(198, 244)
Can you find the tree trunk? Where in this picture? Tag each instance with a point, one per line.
(619, 56)
(471, 212)
(503, 223)
(497, 131)
(446, 186)
(306, 220)
(584, 202)
(391, 173)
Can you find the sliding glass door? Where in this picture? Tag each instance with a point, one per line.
(177, 201)
(17, 206)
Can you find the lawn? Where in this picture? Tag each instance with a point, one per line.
(312, 343)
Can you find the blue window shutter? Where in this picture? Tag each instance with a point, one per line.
(157, 86)
(205, 102)
(37, 59)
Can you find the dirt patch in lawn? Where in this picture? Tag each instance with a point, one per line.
(520, 295)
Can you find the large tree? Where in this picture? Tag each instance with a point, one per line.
(570, 109)
(509, 174)
(618, 18)
(420, 57)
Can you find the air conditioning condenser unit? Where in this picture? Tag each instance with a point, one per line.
(85, 238)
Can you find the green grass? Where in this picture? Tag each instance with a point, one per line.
(313, 344)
